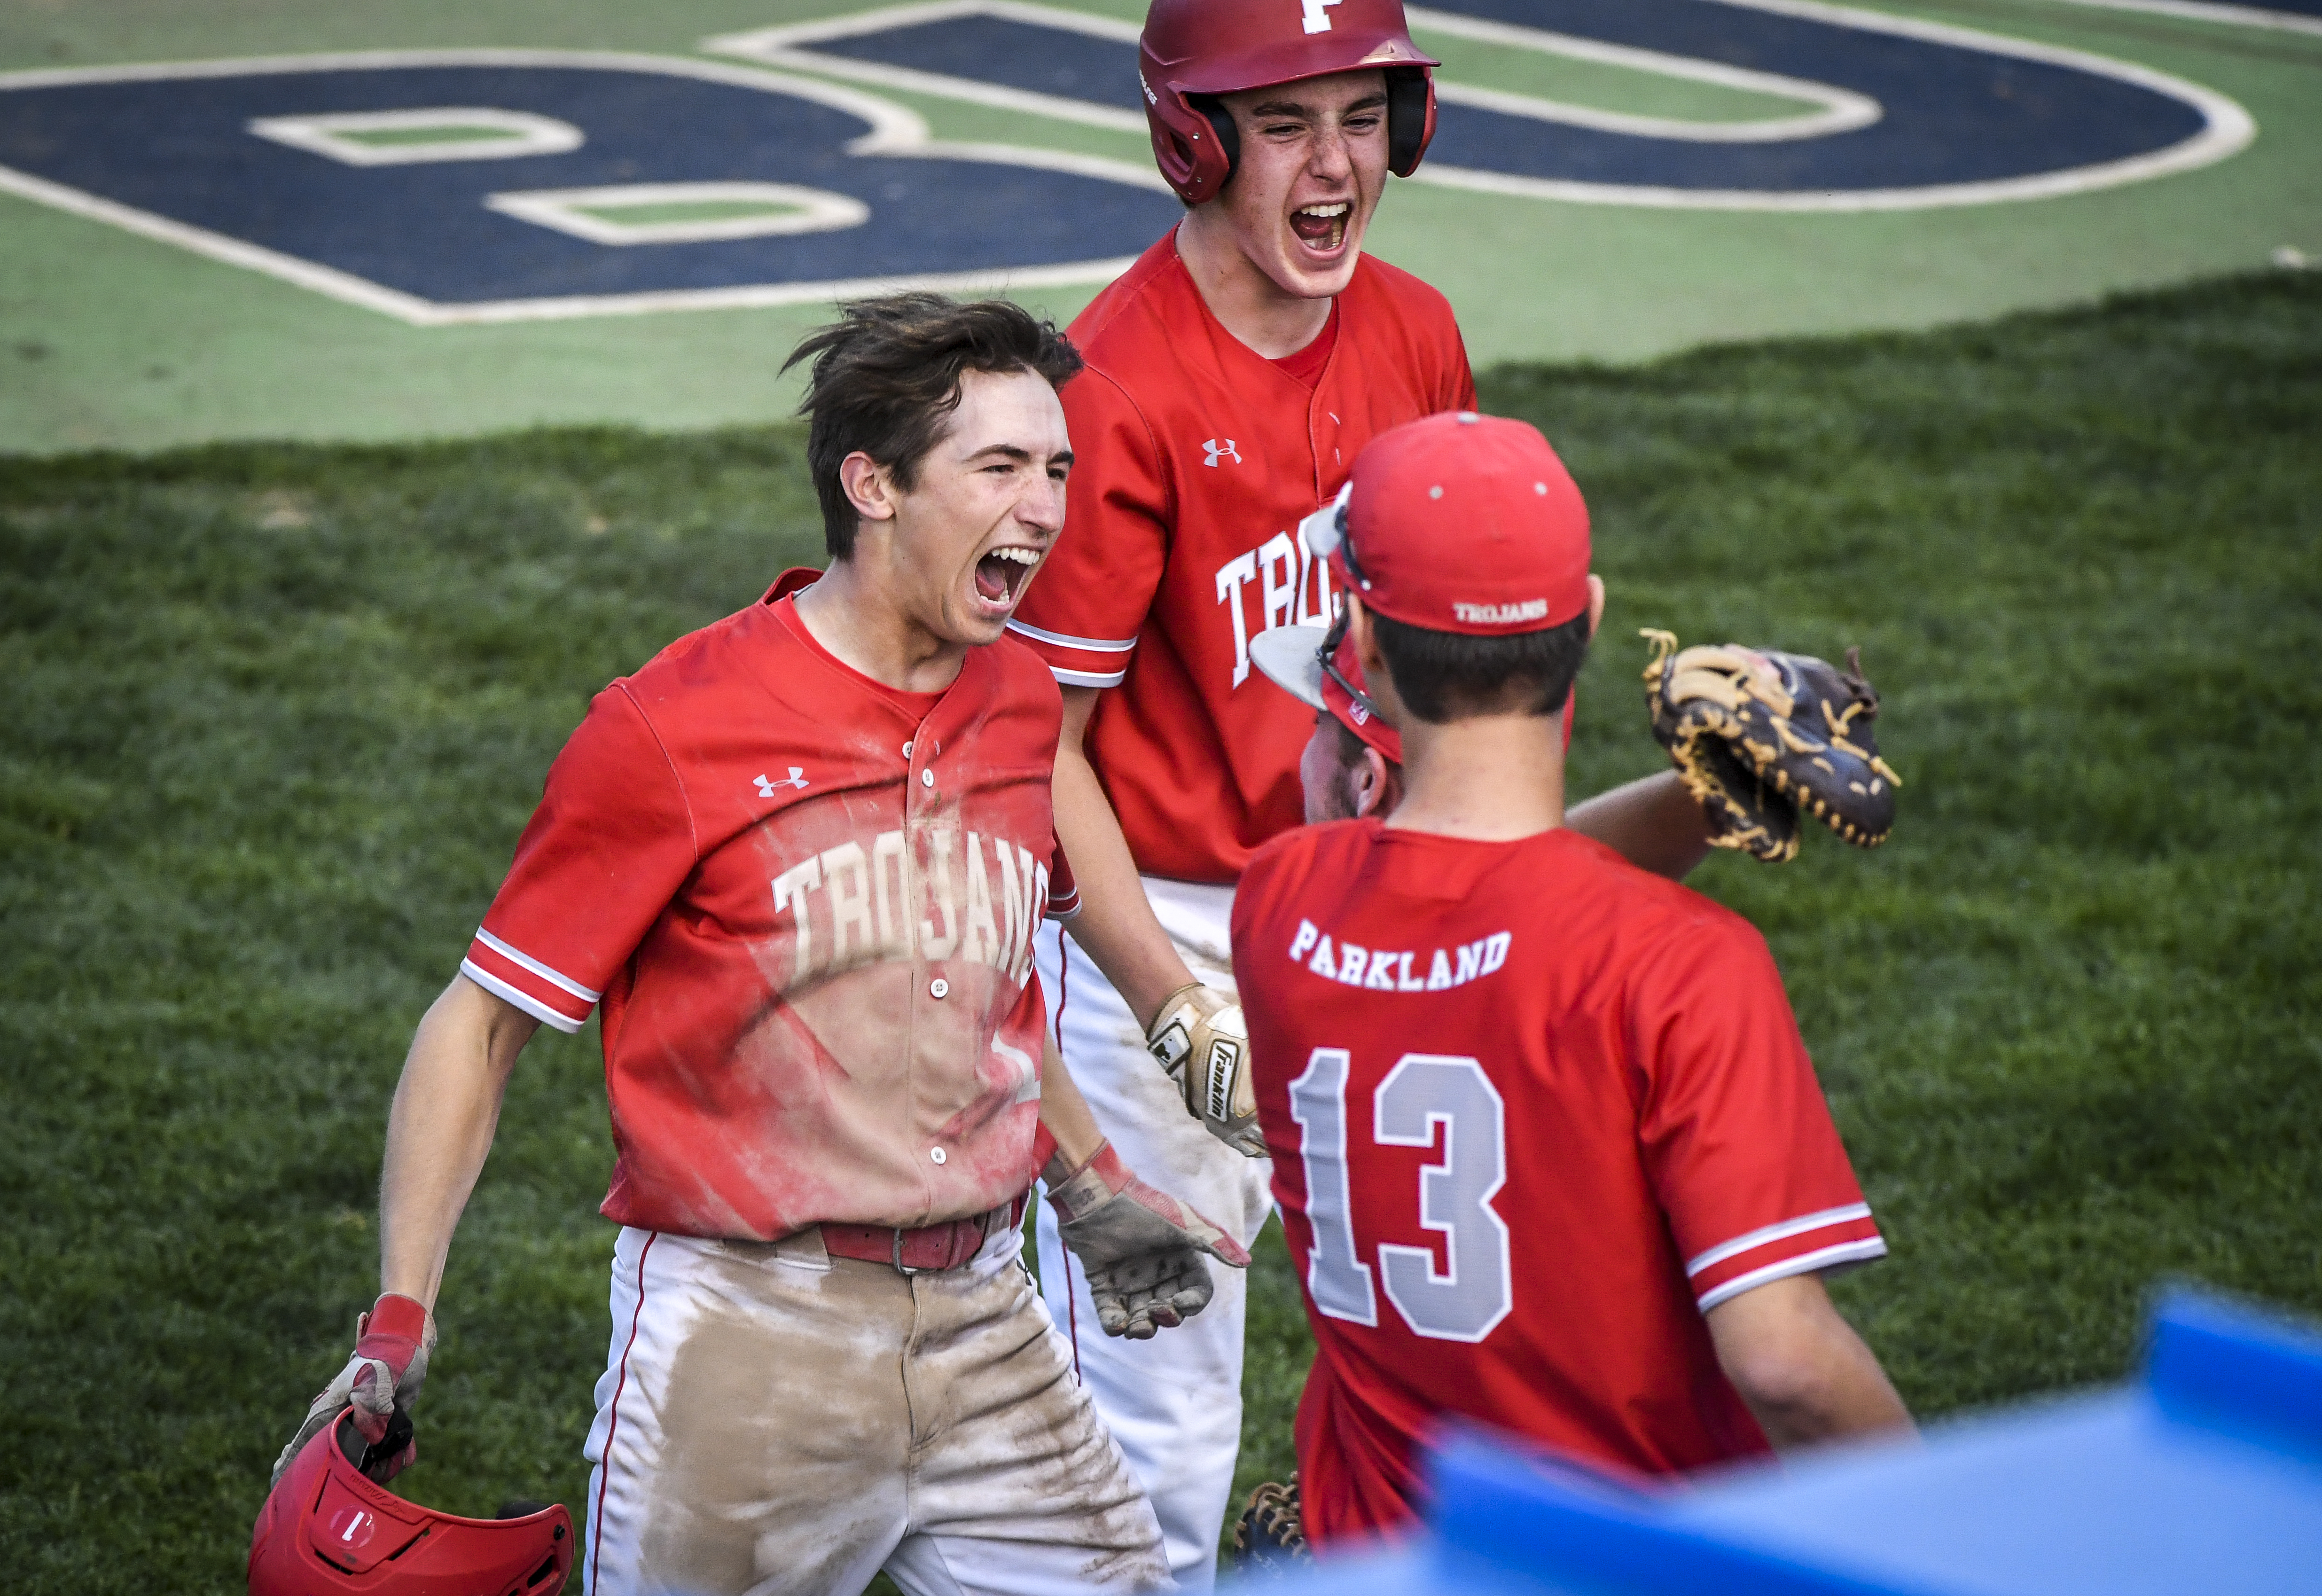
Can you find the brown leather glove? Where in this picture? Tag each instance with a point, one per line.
(1760, 737)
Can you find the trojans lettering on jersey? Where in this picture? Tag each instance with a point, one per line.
(927, 895)
(1276, 584)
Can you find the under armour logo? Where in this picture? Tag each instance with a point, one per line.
(1226, 449)
(797, 780)
(1317, 15)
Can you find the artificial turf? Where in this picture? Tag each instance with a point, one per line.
(280, 712)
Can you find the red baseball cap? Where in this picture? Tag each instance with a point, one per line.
(1459, 522)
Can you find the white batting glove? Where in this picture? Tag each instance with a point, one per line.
(1203, 1041)
(1140, 1248)
(392, 1342)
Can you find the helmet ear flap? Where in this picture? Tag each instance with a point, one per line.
(1410, 117)
(1221, 123)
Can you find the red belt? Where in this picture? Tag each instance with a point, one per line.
(928, 1248)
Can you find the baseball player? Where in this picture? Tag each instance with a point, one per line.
(800, 859)
(1235, 372)
(1548, 1149)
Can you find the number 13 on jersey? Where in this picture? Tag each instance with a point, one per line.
(1463, 1301)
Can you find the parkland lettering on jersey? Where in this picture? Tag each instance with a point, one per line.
(1294, 590)
(1396, 970)
(853, 905)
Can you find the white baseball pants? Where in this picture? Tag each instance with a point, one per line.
(1174, 1403)
(773, 1421)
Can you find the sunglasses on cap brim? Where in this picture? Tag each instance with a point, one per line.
(1324, 533)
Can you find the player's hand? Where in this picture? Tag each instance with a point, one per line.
(1141, 1248)
(1203, 1041)
(392, 1342)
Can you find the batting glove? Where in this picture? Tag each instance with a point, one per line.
(1203, 1041)
(1140, 1248)
(392, 1342)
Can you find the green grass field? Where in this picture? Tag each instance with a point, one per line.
(280, 712)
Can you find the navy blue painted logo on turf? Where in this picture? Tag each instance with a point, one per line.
(493, 185)
(474, 186)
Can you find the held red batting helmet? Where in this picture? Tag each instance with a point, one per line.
(1193, 51)
(327, 1531)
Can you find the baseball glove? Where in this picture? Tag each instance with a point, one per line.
(1759, 736)
(1271, 1537)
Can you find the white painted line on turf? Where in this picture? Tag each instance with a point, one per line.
(895, 131)
(2198, 11)
(2227, 129)
(997, 280)
(789, 47)
(514, 134)
(1843, 109)
(216, 246)
(786, 208)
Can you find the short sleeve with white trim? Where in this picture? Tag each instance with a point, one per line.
(1533, 1113)
(806, 902)
(1196, 459)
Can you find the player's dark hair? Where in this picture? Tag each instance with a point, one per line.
(886, 378)
(1446, 676)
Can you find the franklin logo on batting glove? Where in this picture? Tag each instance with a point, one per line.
(1200, 1039)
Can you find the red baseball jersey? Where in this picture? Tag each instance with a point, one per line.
(1196, 459)
(1533, 1112)
(805, 901)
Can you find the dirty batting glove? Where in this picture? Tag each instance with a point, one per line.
(1140, 1248)
(1201, 1038)
(392, 1342)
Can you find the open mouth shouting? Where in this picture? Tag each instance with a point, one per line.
(1002, 573)
(1322, 227)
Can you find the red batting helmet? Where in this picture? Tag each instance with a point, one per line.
(327, 1531)
(1195, 50)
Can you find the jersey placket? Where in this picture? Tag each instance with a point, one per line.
(926, 802)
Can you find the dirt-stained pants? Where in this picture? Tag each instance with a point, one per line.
(772, 1419)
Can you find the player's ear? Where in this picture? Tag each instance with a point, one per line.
(868, 486)
(1595, 601)
(1369, 783)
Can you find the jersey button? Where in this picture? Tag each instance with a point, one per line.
(906, 750)
(926, 778)
(939, 987)
(937, 1153)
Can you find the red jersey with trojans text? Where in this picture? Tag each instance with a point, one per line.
(1196, 457)
(1533, 1112)
(807, 902)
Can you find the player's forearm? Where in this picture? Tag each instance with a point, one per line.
(1065, 1112)
(1653, 824)
(1850, 1396)
(1116, 926)
(440, 1130)
(1801, 1368)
